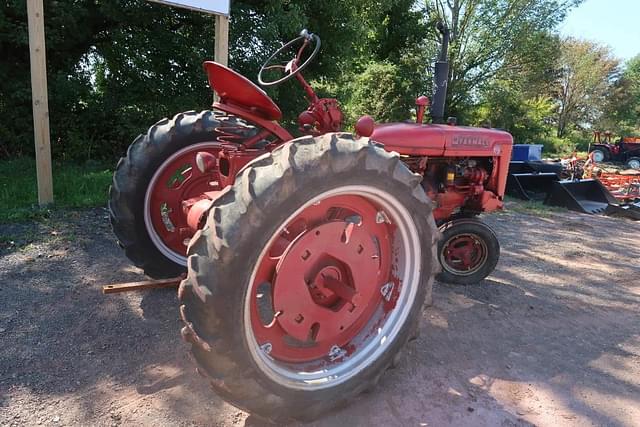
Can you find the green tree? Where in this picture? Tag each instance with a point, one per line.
(147, 64)
(390, 65)
(116, 66)
(518, 98)
(587, 71)
(70, 27)
(484, 33)
(622, 109)
(507, 107)
(380, 91)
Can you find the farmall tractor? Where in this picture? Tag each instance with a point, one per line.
(308, 260)
(625, 150)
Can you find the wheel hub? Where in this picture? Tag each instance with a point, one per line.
(178, 179)
(322, 290)
(316, 292)
(464, 254)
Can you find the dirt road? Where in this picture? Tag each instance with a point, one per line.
(551, 338)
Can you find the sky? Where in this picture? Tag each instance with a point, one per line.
(612, 22)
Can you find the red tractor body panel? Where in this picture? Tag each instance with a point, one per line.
(433, 140)
(440, 140)
(412, 139)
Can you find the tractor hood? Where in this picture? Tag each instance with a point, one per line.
(441, 140)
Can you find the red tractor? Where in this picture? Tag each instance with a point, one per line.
(624, 150)
(308, 259)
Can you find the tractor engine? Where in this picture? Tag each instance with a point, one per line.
(457, 185)
(464, 169)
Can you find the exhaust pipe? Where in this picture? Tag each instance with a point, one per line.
(441, 77)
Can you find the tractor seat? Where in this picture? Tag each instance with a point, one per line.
(237, 90)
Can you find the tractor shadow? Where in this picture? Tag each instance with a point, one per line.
(92, 358)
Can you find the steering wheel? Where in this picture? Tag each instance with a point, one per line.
(292, 67)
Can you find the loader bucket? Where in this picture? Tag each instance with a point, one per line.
(587, 196)
(530, 186)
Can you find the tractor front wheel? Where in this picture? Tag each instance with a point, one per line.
(309, 276)
(633, 163)
(468, 251)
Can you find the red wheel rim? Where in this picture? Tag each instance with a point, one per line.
(322, 279)
(176, 180)
(384, 286)
(463, 254)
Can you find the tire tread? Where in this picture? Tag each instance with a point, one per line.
(204, 292)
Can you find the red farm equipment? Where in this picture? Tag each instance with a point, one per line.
(625, 150)
(624, 188)
(308, 260)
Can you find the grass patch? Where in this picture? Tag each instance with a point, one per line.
(74, 186)
(531, 207)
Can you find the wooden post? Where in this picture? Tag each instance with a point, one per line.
(221, 47)
(40, 101)
(221, 53)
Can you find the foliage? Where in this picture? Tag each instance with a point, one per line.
(587, 70)
(574, 142)
(117, 66)
(518, 98)
(380, 91)
(486, 33)
(506, 107)
(622, 109)
(113, 67)
(74, 186)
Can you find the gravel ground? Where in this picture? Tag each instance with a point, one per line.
(552, 337)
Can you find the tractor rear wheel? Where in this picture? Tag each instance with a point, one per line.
(468, 251)
(157, 174)
(309, 276)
